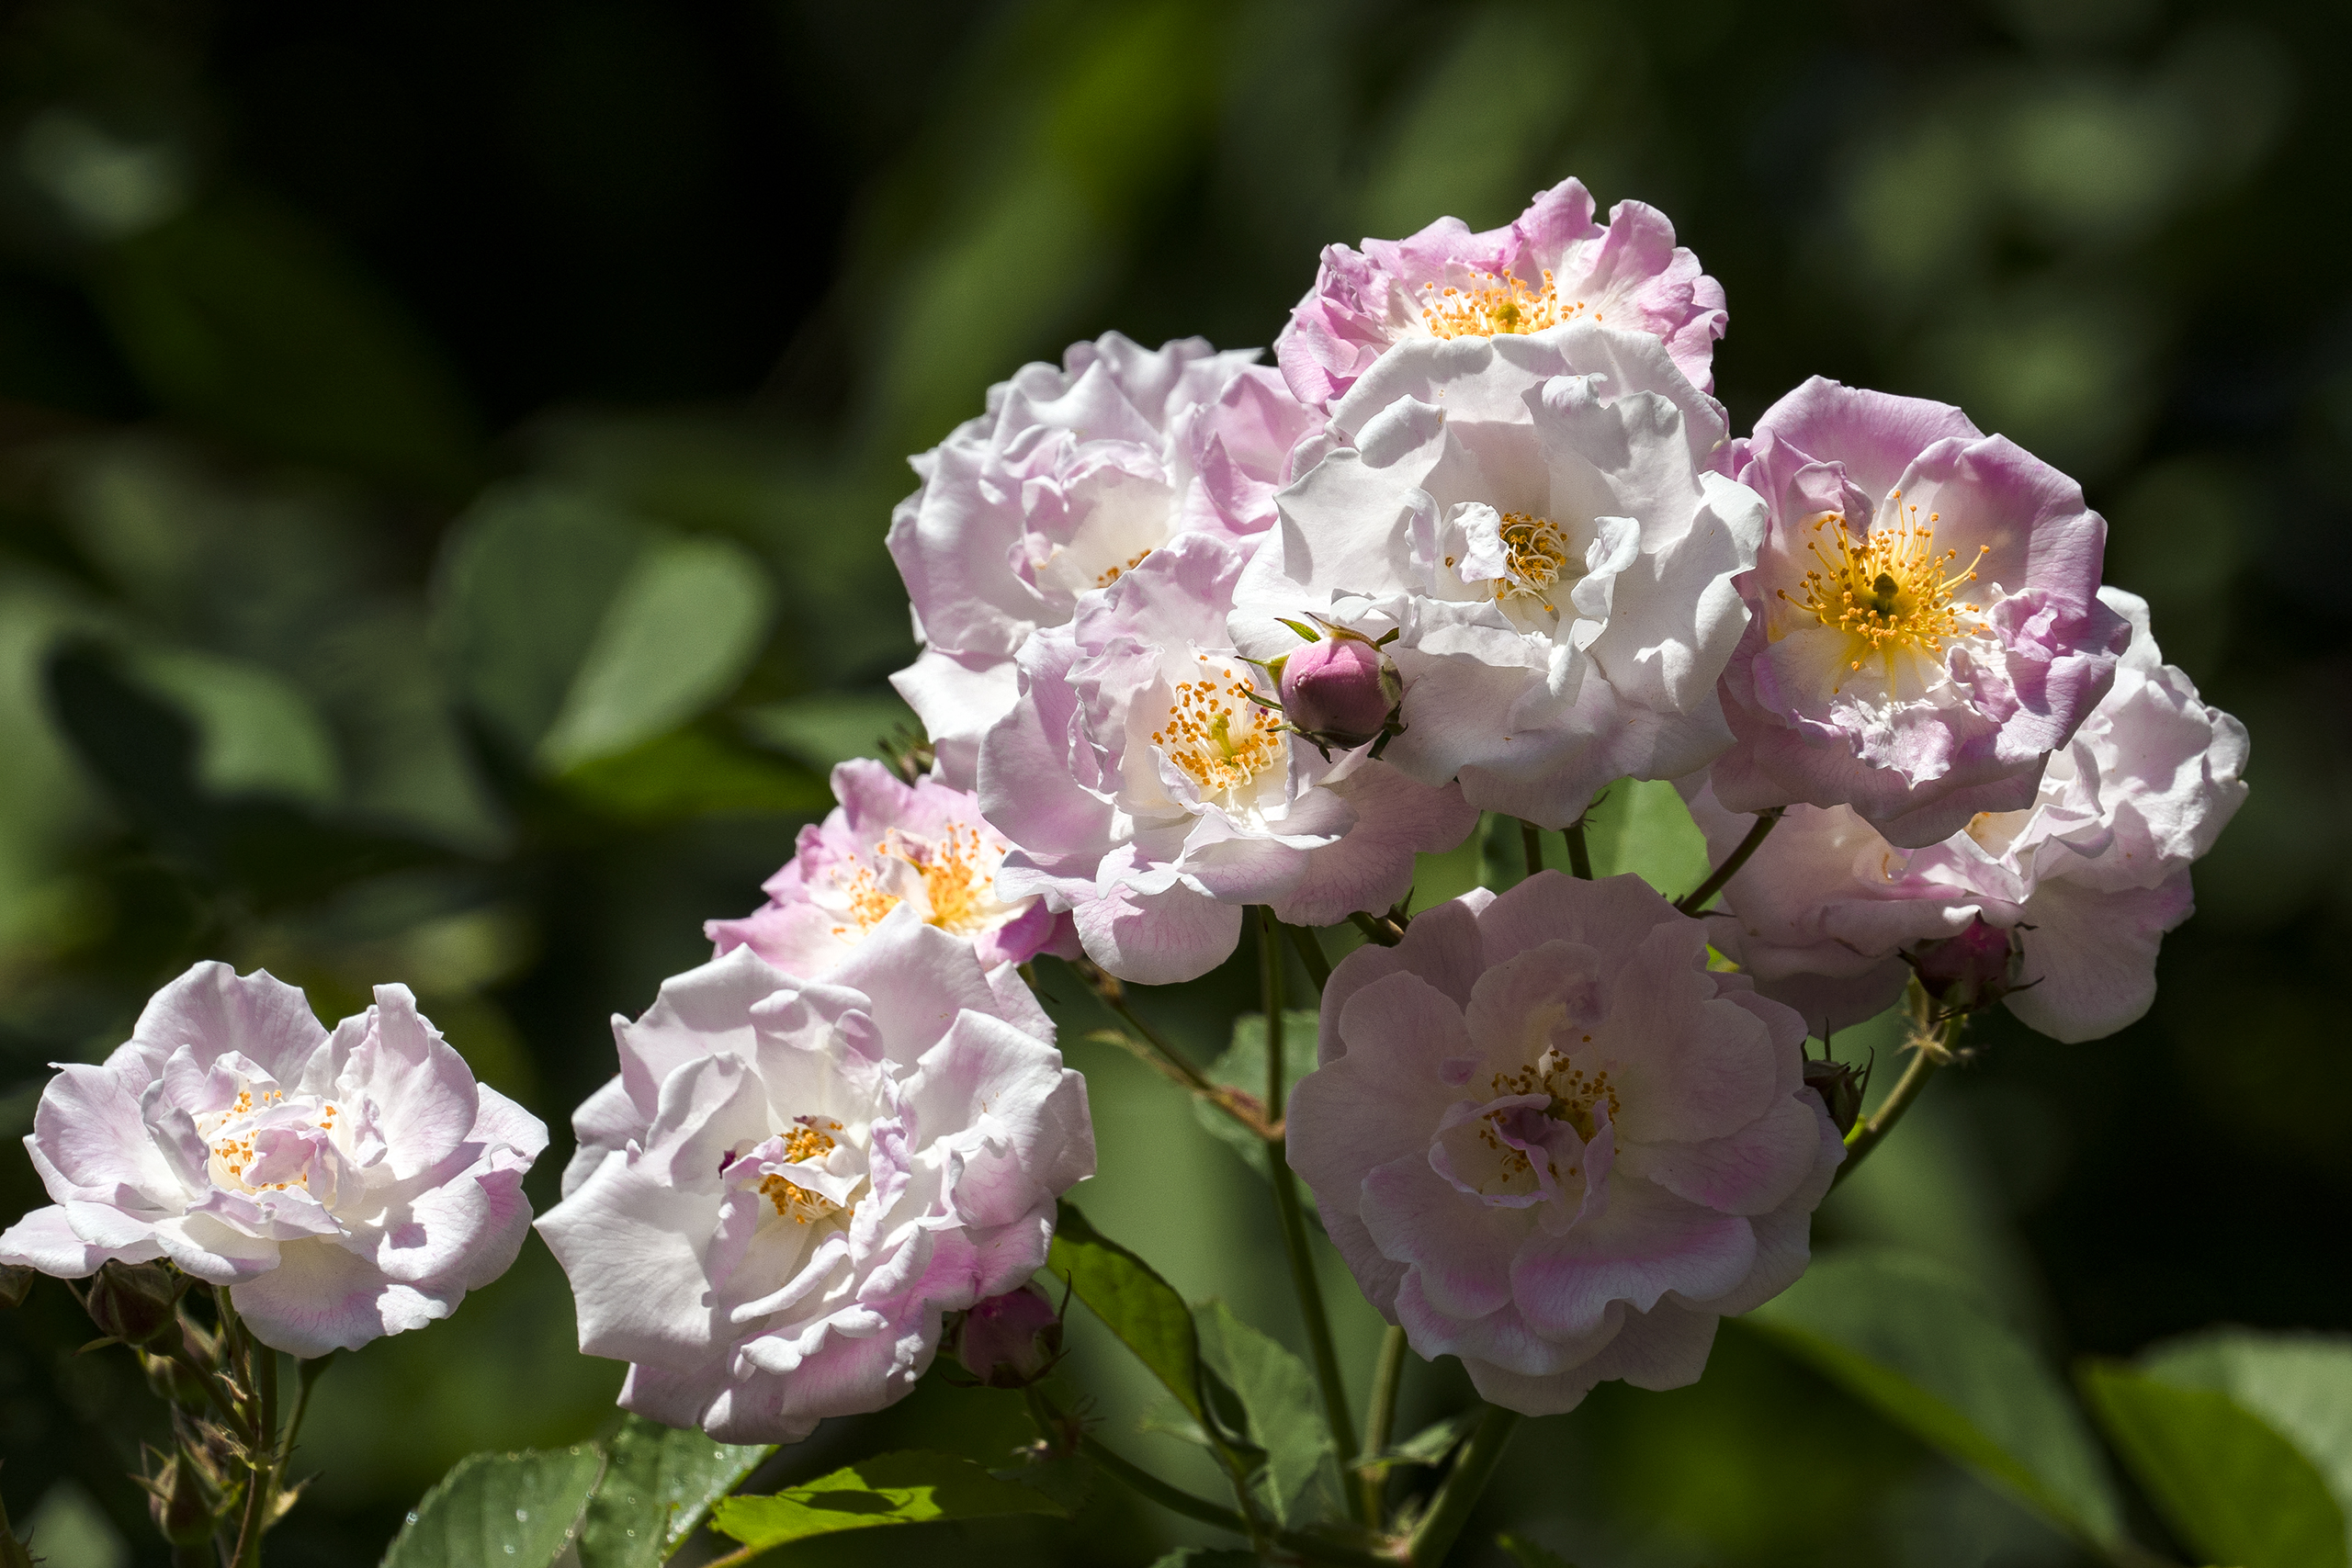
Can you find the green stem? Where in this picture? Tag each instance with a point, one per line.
(1375, 928)
(1531, 844)
(1310, 953)
(1380, 1420)
(307, 1372)
(1178, 1501)
(1868, 1135)
(261, 1487)
(1579, 852)
(1449, 1509)
(1697, 899)
(1113, 995)
(1296, 1244)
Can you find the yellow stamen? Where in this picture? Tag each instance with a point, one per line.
(1218, 735)
(1888, 591)
(1502, 304)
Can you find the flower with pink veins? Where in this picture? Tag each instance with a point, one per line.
(890, 843)
(1149, 784)
(792, 1183)
(1552, 266)
(1548, 1139)
(1927, 624)
(2089, 876)
(1073, 476)
(342, 1186)
(1538, 523)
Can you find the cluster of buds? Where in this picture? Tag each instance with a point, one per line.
(1340, 690)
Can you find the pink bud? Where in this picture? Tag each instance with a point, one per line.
(1009, 1341)
(1972, 969)
(1341, 689)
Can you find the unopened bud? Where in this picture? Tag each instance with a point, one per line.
(135, 1302)
(1341, 690)
(1840, 1088)
(175, 1379)
(16, 1283)
(1972, 969)
(1009, 1341)
(182, 1510)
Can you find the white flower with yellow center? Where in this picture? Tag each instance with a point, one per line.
(1534, 518)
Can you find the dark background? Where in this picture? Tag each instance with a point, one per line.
(370, 372)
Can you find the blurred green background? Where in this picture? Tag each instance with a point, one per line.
(445, 452)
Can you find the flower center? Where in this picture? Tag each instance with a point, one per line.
(1501, 304)
(807, 1141)
(265, 1142)
(1574, 1096)
(957, 871)
(1104, 579)
(1534, 555)
(1217, 733)
(1889, 590)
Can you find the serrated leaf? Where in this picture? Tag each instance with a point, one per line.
(906, 1488)
(517, 1510)
(1242, 1065)
(1916, 1341)
(2226, 1483)
(1282, 1414)
(680, 629)
(659, 1486)
(1138, 1306)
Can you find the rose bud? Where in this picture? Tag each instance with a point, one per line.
(1972, 969)
(1010, 1341)
(176, 1498)
(1840, 1088)
(1340, 690)
(135, 1302)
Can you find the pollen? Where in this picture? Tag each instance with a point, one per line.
(1575, 1096)
(1535, 554)
(1889, 591)
(1120, 570)
(1502, 303)
(1218, 734)
(958, 873)
(809, 1139)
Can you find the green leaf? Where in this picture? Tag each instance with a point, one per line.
(2226, 1484)
(1642, 826)
(893, 1489)
(519, 596)
(2300, 1384)
(689, 772)
(827, 727)
(255, 733)
(516, 1510)
(1430, 1446)
(1242, 1065)
(680, 631)
(1133, 1301)
(240, 316)
(1917, 1341)
(1531, 1554)
(659, 1486)
(1283, 1415)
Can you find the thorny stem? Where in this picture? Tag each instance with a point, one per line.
(1932, 1053)
(1380, 1420)
(1113, 995)
(261, 1454)
(1530, 844)
(1697, 899)
(1449, 1509)
(1378, 927)
(1296, 1244)
(1579, 852)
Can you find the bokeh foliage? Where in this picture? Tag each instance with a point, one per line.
(444, 457)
